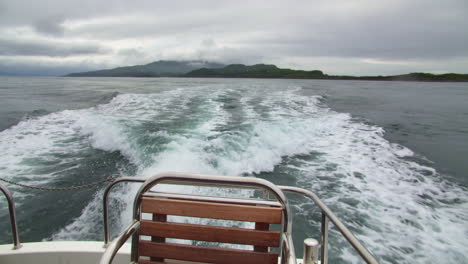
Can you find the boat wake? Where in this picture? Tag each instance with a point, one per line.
(403, 211)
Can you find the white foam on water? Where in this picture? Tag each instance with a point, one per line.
(406, 206)
(107, 131)
(42, 142)
(403, 211)
(34, 147)
(399, 201)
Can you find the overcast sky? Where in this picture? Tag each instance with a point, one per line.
(360, 37)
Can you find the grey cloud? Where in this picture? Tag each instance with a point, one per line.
(131, 52)
(194, 23)
(9, 47)
(133, 56)
(27, 12)
(405, 29)
(228, 55)
(32, 68)
(50, 25)
(387, 45)
(258, 30)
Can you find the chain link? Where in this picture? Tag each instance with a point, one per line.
(77, 187)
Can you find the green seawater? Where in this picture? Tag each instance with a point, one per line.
(389, 158)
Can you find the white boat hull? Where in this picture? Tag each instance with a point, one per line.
(65, 252)
(60, 252)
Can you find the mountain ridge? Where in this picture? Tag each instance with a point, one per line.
(255, 71)
(161, 68)
(205, 69)
(271, 71)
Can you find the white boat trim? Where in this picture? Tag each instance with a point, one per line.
(60, 252)
(67, 252)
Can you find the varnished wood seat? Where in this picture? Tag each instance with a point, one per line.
(159, 229)
(158, 238)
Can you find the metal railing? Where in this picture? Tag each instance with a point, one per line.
(105, 202)
(193, 180)
(326, 215)
(112, 249)
(223, 181)
(11, 209)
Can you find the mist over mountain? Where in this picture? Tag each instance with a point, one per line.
(162, 68)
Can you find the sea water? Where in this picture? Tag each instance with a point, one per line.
(389, 158)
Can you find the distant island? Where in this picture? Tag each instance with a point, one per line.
(160, 68)
(255, 71)
(203, 69)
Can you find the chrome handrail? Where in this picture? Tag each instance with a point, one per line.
(328, 214)
(111, 251)
(11, 209)
(105, 202)
(288, 254)
(131, 179)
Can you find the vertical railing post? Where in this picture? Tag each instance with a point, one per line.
(328, 215)
(311, 247)
(324, 240)
(105, 203)
(11, 208)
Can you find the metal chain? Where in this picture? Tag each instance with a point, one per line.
(77, 187)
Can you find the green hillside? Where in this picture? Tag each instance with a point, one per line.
(271, 71)
(254, 71)
(155, 69)
(216, 70)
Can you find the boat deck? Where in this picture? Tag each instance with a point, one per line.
(66, 252)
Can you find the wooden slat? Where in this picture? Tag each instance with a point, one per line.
(206, 254)
(211, 233)
(237, 212)
(263, 227)
(168, 261)
(145, 261)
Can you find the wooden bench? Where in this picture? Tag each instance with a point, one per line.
(157, 250)
(220, 236)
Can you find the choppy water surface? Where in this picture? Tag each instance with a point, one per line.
(338, 139)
